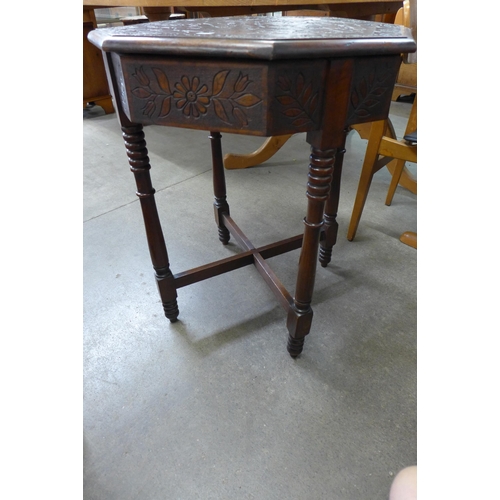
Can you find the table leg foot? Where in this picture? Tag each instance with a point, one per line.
(299, 324)
(171, 310)
(326, 246)
(295, 346)
(325, 257)
(223, 234)
(168, 293)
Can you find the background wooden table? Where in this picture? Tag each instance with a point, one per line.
(356, 9)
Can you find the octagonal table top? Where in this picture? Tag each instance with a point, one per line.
(257, 37)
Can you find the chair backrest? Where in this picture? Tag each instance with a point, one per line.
(407, 16)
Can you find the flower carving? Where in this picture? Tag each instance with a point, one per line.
(228, 99)
(191, 97)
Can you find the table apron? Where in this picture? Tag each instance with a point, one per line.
(263, 98)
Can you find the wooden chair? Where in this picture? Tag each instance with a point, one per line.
(381, 149)
(383, 145)
(406, 82)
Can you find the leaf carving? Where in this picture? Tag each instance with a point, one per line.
(162, 80)
(141, 93)
(368, 94)
(363, 113)
(141, 77)
(307, 93)
(284, 83)
(150, 108)
(165, 106)
(220, 111)
(369, 103)
(247, 100)
(298, 122)
(240, 116)
(292, 112)
(299, 99)
(313, 103)
(219, 81)
(378, 91)
(286, 100)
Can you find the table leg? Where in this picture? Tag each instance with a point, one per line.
(331, 226)
(318, 187)
(220, 204)
(137, 153)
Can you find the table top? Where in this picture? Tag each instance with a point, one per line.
(260, 37)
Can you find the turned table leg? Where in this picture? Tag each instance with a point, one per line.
(318, 187)
(137, 153)
(331, 208)
(220, 203)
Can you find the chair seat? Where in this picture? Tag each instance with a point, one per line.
(411, 137)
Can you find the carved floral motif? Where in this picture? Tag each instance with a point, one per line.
(193, 98)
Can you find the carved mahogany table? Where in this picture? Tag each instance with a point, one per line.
(262, 76)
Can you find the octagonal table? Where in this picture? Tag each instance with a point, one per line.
(256, 75)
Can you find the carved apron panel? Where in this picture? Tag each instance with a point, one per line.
(371, 89)
(297, 92)
(259, 98)
(182, 93)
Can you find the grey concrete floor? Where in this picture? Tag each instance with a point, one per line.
(213, 407)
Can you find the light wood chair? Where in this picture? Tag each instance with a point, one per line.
(381, 149)
(383, 146)
(406, 82)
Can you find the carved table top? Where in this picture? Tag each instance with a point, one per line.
(258, 37)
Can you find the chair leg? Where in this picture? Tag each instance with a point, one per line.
(365, 180)
(409, 238)
(396, 176)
